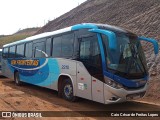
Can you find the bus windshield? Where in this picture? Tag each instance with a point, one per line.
(128, 60)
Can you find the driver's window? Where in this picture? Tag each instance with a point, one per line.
(85, 52)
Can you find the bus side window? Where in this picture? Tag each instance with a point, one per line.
(67, 45)
(39, 49)
(0, 59)
(5, 53)
(12, 52)
(85, 50)
(48, 46)
(56, 51)
(28, 50)
(20, 50)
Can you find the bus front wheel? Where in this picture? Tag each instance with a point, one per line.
(17, 79)
(67, 91)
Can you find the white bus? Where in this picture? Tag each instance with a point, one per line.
(98, 62)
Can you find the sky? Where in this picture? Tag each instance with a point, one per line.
(20, 14)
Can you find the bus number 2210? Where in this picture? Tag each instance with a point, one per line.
(65, 66)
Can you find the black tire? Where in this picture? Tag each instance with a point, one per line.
(17, 79)
(67, 91)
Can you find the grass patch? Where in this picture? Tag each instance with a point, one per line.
(12, 38)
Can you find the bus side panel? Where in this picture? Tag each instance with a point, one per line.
(6, 70)
(83, 82)
(67, 67)
(45, 74)
(41, 72)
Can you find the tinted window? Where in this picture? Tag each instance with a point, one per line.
(0, 56)
(56, 52)
(12, 52)
(39, 49)
(67, 45)
(20, 51)
(28, 50)
(83, 32)
(95, 55)
(89, 50)
(91, 57)
(48, 46)
(85, 46)
(5, 52)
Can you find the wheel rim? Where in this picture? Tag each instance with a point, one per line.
(68, 91)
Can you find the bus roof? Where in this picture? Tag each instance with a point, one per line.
(71, 28)
(46, 34)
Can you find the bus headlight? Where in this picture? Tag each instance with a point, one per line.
(113, 84)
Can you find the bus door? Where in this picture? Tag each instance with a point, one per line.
(90, 77)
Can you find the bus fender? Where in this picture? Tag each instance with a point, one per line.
(60, 80)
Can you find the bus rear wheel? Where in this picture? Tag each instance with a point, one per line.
(67, 91)
(17, 79)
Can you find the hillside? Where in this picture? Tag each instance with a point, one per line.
(139, 16)
(28, 30)
(135, 15)
(21, 34)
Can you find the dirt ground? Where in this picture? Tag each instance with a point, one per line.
(33, 98)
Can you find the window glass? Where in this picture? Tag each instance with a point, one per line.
(95, 56)
(67, 45)
(5, 52)
(106, 49)
(90, 56)
(89, 50)
(39, 49)
(0, 56)
(12, 52)
(56, 52)
(20, 50)
(126, 59)
(85, 52)
(28, 51)
(48, 46)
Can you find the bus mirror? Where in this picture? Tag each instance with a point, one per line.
(154, 42)
(111, 37)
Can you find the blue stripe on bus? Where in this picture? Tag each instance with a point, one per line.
(84, 26)
(102, 52)
(111, 37)
(44, 76)
(124, 81)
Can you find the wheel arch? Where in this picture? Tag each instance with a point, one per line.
(61, 78)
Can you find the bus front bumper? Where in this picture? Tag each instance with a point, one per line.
(112, 95)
